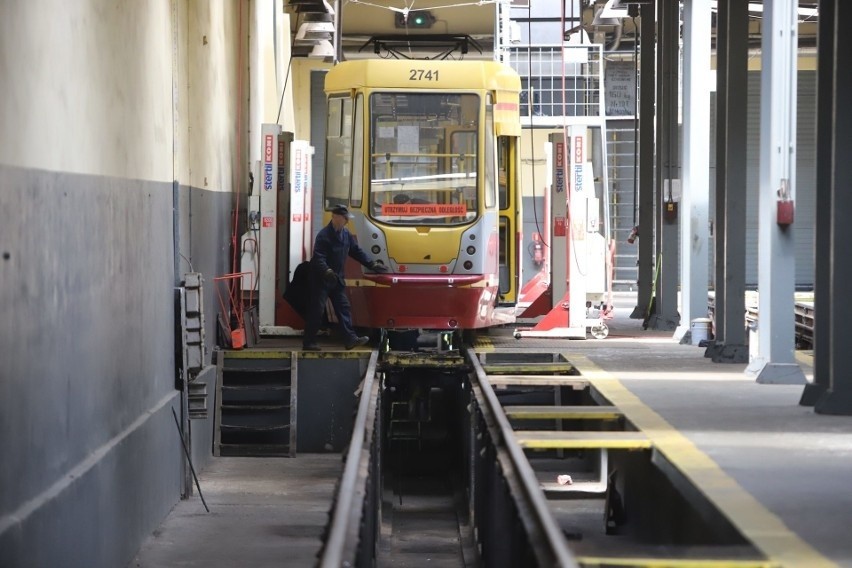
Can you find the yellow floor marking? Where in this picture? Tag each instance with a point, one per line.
(258, 353)
(590, 561)
(483, 344)
(575, 383)
(805, 358)
(756, 523)
(520, 412)
(546, 440)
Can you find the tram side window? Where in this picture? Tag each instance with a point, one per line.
(490, 185)
(504, 170)
(505, 277)
(338, 152)
(358, 153)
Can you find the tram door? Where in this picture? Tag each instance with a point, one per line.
(509, 201)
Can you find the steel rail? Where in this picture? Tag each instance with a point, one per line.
(544, 524)
(341, 547)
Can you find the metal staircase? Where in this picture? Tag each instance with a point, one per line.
(620, 154)
(255, 405)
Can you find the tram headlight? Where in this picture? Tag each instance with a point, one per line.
(468, 265)
(376, 249)
(471, 250)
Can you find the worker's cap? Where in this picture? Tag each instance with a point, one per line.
(342, 210)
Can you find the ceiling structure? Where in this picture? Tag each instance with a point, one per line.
(404, 25)
(469, 26)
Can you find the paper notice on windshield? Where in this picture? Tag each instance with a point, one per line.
(408, 139)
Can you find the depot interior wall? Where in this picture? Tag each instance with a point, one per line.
(305, 102)
(87, 375)
(214, 61)
(211, 126)
(71, 71)
(117, 157)
(212, 101)
(271, 74)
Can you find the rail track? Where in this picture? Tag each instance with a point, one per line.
(511, 459)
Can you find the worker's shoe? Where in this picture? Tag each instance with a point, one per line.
(311, 347)
(357, 342)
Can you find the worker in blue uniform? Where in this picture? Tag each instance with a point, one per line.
(334, 243)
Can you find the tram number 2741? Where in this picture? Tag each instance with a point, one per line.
(422, 74)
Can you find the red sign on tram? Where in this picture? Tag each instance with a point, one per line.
(418, 209)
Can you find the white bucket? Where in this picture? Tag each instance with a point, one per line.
(700, 330)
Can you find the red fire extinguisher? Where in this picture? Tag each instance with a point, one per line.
(537, 249)
(786, 206)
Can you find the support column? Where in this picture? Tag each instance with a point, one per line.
(721, 169)
(732, 132)
(773, 358)
(822, 260)
(838, 399)
(696, 165)
(664, 315)
(647, 102)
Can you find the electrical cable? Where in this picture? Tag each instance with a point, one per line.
(189, 458)
(236, 222)
(189, 262)
(532, 129)
(411, 9)
(567, 152)
(405, 19)
(238, 150)
(287, 74)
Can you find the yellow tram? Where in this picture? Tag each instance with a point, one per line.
(425, 156)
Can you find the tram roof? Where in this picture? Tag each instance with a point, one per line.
(412, 74)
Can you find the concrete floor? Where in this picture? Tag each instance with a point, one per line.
(791, 461)
(777, 469)
(263, 512)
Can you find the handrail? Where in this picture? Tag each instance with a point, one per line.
(558, 552)
(350, 494)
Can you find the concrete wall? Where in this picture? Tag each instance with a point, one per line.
(118, 162)
(211, 124)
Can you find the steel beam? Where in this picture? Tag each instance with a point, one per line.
(696, 165)
(822, 260)
(647, 102)
(721, 167)
(664, 315)
(730, 234)
(773, 358)
(838, 398)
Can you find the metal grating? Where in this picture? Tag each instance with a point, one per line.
(562, 84)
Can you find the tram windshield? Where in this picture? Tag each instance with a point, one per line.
(423, 158)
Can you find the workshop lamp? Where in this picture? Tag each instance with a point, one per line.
(420, 19)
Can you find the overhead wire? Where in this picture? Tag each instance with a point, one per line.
(405, 18)
(238, 151)
(236, 218)
(287, 73)
(567, 146)
(408, 9)
(532, 129)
